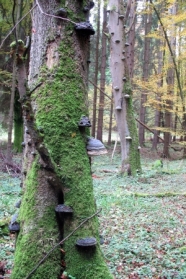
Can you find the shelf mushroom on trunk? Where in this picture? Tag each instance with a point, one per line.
(95, 147)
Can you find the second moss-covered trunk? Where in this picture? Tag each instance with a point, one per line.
(56, 166)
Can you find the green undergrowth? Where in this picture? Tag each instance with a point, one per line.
(10, 193)
(143, 219)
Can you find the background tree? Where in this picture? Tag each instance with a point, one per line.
(102, 76)
(122, 90)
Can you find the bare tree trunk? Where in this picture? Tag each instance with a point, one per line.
(11, 112)
(102, 79)
(11, 115)
(170, 89)
(122, 91)
(56, 170)
(148, 23)
(96, 74)
(160, 84)
(131, 38)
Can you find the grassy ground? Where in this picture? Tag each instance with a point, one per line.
(142, 222)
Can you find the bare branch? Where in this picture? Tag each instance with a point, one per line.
(16, 25)
(59, 17)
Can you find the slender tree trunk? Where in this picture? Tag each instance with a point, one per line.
(160, 84)
(102, 80)
(122, 90)
(146, 63)
(18, 123)
(170, 89)
(11, 115)
(56, 166)
(96, 74)
(11, 112)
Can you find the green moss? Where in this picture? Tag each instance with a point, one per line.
(134, 155)
(28, 202)
(60, 106)
(35, 245)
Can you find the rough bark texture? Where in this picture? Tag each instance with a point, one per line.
(131, 36)
(170, 89)
(56, 166)
(147, 53)
(102, 78)
(94, 119)
(122, 90)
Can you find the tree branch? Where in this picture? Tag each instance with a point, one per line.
(61, 242)
(100, 90)
(16, 26)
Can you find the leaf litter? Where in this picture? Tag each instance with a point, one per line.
(143, 221)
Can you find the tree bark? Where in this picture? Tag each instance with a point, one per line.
(102, 79)
(94, 120)
(148, 23)
(122, 90)
(170, 90)
(56, 167)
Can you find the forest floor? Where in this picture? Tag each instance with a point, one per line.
(142, 222)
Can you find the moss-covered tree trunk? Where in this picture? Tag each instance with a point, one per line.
(56, 166)
(122, 91)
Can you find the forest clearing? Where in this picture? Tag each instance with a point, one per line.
(142, 223)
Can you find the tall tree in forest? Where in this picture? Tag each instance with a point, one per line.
(146, 68)
(56, 170)
(170, 87)
(14, 72)
(102, 77)
(122, 90)
(94, 114)
(158, 96)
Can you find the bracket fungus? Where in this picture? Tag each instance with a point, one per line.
(23, 144)
(95, 147)
(18, 204)
(127, 96)
(84, 121)
(119, 106)
(14, 225)
(86, 242)
(64, 209)
(116, 88)
(84, 28)
(63, 212)
(128, 138)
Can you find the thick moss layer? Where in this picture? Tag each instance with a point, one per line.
(134, 152)
(37, 235)
(61, 103)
